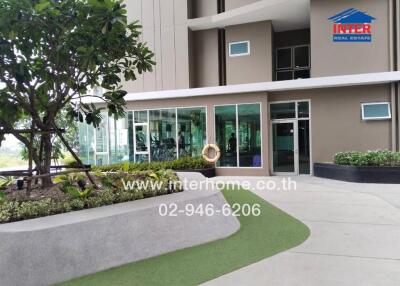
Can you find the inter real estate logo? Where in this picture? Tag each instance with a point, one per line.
(352, 25)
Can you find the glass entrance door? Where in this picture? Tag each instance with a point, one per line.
(141, 142)
(284, 147)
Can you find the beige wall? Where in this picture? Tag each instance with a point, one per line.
(202, 8)
(166, 33)
(256, 67)
(204, 58)
(232, 4)
(210, 102)
(329, 58)
(336, 119)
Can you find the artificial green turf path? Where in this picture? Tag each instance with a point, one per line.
(259, 237)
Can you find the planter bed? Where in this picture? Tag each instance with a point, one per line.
(363, 174)
(57, 248)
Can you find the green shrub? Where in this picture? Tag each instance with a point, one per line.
(76, 193)
(66, 182)
(33, 209)
(186, 163)
(2, 197)
(122, 197)
(370, 158)
(5, 182)
(154, 183)
(77, 205)
(7, 211)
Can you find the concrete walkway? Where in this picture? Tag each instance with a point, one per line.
(355, 236)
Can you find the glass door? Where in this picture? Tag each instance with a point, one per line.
(284, 147)
(141, 142)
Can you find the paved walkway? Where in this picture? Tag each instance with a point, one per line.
(355, 236)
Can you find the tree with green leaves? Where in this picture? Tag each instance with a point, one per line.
(52, 52)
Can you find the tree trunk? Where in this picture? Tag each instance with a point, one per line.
(45, 163)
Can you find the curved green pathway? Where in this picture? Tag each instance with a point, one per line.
(259, 237)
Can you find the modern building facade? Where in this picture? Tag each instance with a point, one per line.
(277, 85)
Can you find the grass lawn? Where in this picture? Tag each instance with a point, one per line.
(7, 161)
(259, 237)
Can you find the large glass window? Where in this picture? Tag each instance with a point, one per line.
(86, 143)
(92, 152)
(130, 137)
(226, 135)
(292, 63)
(284, 58)
(141, 116)
(83, 142)
(102, 141)
(238, 128)
(163, 135)
(143, 136)
(249, 135)
(283, 110)
(119, 148)
(191, 131)
(141, 139)
(121, 141)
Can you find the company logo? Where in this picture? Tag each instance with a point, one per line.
(352, 25)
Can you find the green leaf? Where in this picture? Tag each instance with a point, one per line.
(2, 197)
(42, 5)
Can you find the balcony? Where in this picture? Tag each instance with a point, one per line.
(284, 14)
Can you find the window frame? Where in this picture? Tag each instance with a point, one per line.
(176, 108)
(296, 119)
(236, 105)
(387, 103)
(241, 54)
(293, 68)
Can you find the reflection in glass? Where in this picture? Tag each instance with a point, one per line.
(163, 135)
(226, 137)
(249, 135)
(102, 142)
(141, 116)
(301, 57)
(130, 137)
(304, 147)
(191, 131)
(284, 58)
(284, 75)
(83, 142)
(113, 139)
(141, 138)
(141, 158)
(283, 110)
(92, 157)
(122, 142)
(303, 109)
(283, 147)
(301, 74)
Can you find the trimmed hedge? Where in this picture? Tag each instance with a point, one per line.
(370, 158)
(112, 191)
(186, 163)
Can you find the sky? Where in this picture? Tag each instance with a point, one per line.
(11, 142)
